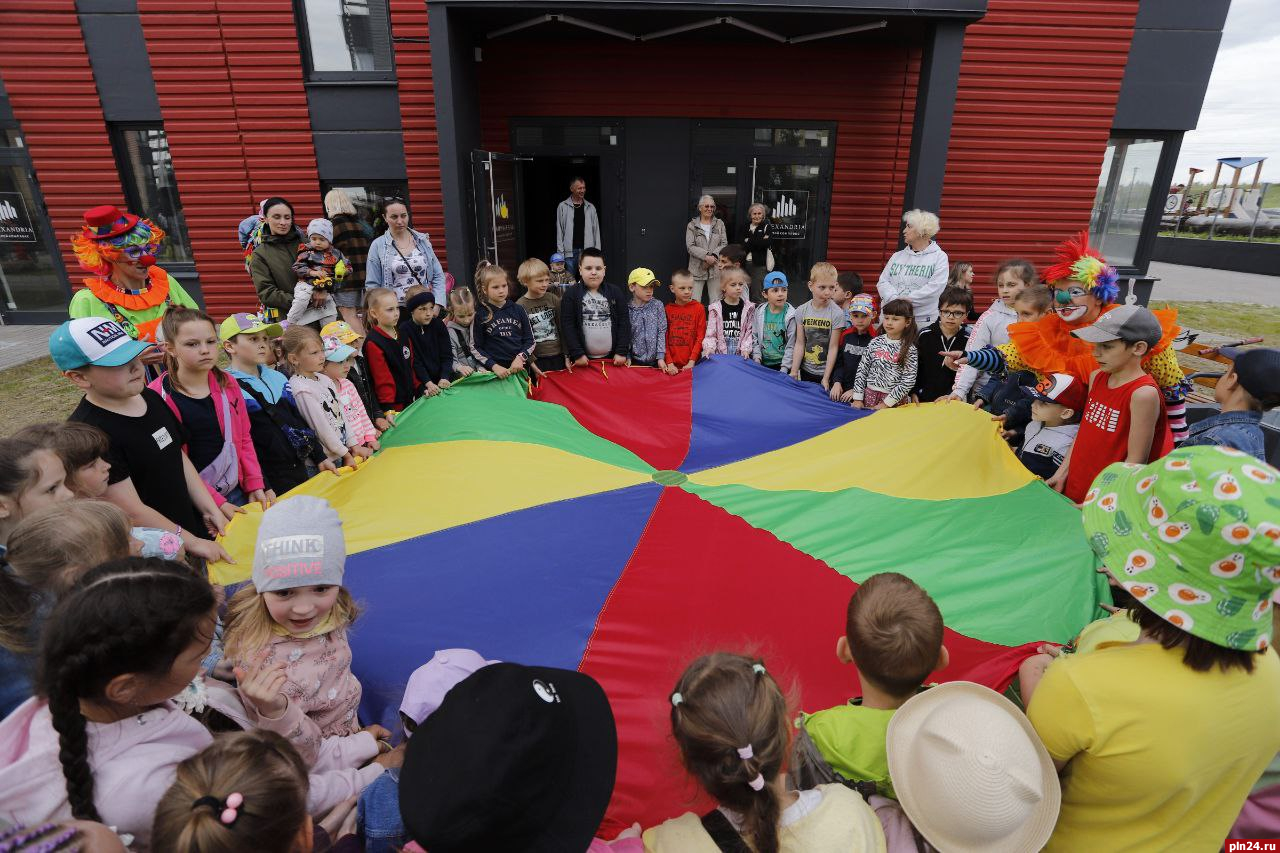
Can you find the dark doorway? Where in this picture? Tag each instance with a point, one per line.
(545, 184)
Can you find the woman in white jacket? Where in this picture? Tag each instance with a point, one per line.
(992, 328)
(918, 272)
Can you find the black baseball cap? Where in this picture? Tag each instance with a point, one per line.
(515, 758)
(1258, 369)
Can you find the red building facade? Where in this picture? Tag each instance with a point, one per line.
(999, 115)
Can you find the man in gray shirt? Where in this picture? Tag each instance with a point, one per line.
(577, 225)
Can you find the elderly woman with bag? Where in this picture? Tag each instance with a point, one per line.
(402, 257)
(705, 238)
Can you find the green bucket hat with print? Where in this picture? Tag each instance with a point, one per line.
(1194, 537)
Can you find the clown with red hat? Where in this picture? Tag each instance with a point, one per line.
(1085, 287)
(119, 249)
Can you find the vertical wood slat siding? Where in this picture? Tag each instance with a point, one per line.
(868, 91)
(230, 82)
(418, 116)
(50, 83)
(1039, 81)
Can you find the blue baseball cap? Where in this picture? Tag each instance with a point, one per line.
(775, 279)
(557, 258)
(336, 350)
(93, 340)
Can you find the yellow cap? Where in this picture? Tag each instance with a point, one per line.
(643, 277)
(341, 330)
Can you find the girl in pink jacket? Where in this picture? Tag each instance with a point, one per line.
(287, 632)
(103, 737)
(211, 407)
(730, 319)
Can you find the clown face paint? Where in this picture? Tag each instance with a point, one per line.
(1073, 304)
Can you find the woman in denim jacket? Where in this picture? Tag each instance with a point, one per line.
(403, 257)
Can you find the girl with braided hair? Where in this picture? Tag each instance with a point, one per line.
(730, 721)
(101, 739)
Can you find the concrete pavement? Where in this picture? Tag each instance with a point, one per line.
(20, 344)
(1198, 284)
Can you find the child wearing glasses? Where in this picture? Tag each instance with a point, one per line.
(934, 378)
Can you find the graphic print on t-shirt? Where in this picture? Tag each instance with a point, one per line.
(732, 325)
(1102, 416)
(775, 337)
(817, 337)
(543, 322)
(855, 348)
(597, 332)
(416, 266)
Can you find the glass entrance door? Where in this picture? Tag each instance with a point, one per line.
(788, 169)
(495, 185)
(32, 283)
(795, 191)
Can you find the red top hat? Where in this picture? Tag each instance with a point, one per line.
(107, 221)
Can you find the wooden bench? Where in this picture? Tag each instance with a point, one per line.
(1197, 362)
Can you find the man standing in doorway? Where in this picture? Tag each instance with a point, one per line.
(577, 226)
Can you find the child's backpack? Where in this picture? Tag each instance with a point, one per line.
(254, 241)
(300, 437)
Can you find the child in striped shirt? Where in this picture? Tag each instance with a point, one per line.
(887, 372)
(362, 437)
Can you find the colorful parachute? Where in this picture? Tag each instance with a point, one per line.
(627, 521)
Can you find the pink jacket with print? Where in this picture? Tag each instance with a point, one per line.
(250, 471)
(714, 342)
(322, 693)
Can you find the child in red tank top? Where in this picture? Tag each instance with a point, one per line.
(1124, 419)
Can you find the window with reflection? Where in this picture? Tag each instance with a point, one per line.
(347, 39)
(1123, 196)
(146, 170)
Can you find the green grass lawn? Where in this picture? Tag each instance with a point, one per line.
(34, 392)
(1231, 319)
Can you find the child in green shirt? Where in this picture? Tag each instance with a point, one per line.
(893, 635)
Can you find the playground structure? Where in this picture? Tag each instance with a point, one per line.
(1233, 209)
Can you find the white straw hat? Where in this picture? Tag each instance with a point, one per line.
(970, 771)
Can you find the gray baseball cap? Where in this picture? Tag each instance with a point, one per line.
(300, 543)
(1128, 323)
